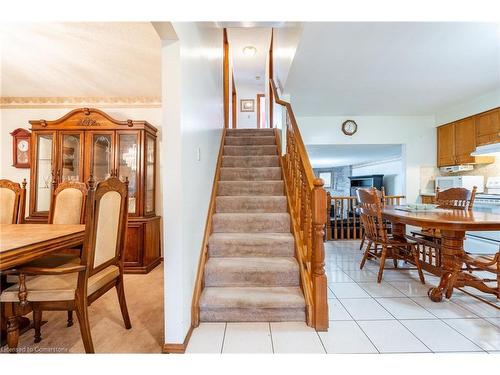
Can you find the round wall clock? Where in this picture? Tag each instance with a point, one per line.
(349, 127)
(21, 148)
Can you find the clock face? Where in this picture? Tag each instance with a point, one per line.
(23, 145)
(349, 127)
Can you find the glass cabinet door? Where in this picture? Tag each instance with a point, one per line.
(102, 155)
(71, 152)
(44, 155)
(150, 174)
(128, 166)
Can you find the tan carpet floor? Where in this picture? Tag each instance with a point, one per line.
(144, 295)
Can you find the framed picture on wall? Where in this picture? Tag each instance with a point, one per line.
(247, 105)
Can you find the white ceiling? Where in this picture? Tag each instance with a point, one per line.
(339, 155)
(364, 68)
(246, 68)
(99, 59)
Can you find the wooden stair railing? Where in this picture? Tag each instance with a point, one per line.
(307, 207)
(200, 275)
(342, 222)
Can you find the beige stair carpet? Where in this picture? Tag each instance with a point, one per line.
(251, 274)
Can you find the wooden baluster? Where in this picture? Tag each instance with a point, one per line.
(335, 213)
(349, 201)
(328, 213)
(342, 219)
(319, 281)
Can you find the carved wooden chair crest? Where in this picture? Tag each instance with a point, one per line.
(456, 198)
(12, 201)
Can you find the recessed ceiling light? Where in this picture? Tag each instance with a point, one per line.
(249, 51)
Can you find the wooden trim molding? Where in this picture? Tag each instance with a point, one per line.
(80, 101)
(271, 78)
(234, 106)
(258, 109)
(225, 73)
(178, 348)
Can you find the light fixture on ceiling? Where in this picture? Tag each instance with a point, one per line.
(249, 51)
(257, 77)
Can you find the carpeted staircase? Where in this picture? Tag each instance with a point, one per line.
(251, 273)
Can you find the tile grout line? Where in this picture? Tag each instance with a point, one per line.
(271, 335)
(460, 333)
(355, 321)
(321, 341)
(396, 319)
(223, 339)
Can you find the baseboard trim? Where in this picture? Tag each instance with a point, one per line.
(178, 348)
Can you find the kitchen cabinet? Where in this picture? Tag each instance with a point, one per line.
(457, 140)
(446, 145)
(488, 127)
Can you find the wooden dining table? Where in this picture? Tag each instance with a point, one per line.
(452, 225)
(22, 243)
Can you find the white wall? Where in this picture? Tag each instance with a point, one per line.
(392, 170)
(13, 118)
(193, 120)
(468, 108)
(247, 120)
(417, 134)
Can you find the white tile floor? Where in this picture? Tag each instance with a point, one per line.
(395, 316)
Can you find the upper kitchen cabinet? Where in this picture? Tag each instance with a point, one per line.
(456, 141)
(446, 145)
(488, 127)
(465, 141)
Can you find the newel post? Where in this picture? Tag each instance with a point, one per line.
(318, 257)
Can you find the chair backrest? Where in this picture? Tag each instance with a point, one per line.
(68, 203)
(12, 202)
(370, 206)
(456, 198)
(106, 223)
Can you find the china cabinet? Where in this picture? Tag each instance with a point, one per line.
(88, 141)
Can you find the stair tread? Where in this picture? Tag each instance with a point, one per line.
(255, 215)
(253, 237)
(252, 264)
(252, 297)
(251, 245)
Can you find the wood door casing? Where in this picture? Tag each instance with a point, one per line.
(446, 145)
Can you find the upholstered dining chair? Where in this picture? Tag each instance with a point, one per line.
(12, 202)
(67, 206)
(375, 228)
(75, 286)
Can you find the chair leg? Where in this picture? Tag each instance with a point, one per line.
(363, 238)
(382, 263)
(417, 263)
(395, 262)
(83, 318)
(123, 303)
(70, 318)
(37, 322)
(365, 255)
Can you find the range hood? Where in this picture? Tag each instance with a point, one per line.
(487, 150)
